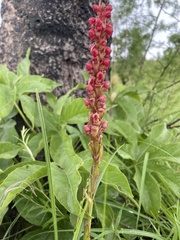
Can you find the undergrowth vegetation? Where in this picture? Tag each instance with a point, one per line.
(45, 163)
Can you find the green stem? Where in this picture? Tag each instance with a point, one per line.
(48, 162)
(23, 117)
(95, 171)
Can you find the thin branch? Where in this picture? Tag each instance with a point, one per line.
(152, 34)
(171, 125)
(171, 85)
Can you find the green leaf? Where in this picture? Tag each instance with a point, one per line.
(31, 83)
(18, 180)
(167, 175)
(7, 97)
(23, 67)
(151, 195)
(125, 129)
(66, 177)
(8, 132)
(159, 133)
(7, 77)
(8, 150)
(115, 178)
(33, 207)
(29, 107)
(169, 152)
(74, 112)
(61, 102)
(47, 234)
(112, 176)
(109, 216)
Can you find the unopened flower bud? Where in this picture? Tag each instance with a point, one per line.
(107, 14)
(106, 86)
(89, 66)
(101, 112)
(94, 52)
(91, 34)
(109, 7)
(102, 98)
(104, 125)
(87, 102)
(109, 30)
(100, 77)
(94, 131)
(91, 20)
(95, 118)
(96, 8)
(89, 89)
(108, 50)
(87, 129)
(106, 62)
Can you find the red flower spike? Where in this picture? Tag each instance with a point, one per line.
(100, 29)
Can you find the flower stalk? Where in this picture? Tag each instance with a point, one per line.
(100, 30)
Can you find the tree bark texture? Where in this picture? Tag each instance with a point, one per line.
(56, 32)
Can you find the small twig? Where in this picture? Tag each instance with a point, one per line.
(171, 125)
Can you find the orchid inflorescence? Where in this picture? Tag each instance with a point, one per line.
(101, 29)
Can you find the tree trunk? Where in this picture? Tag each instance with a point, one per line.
(56, 31)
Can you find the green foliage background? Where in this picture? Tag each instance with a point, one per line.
(44, 157)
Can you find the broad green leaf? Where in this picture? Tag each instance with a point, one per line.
(7, 77)
(50, 118)
(7, 97)
(109, 216)
(75, 112)
(127, 152)
(168, 152)
(151, 195)
(125, 129)
(29, 107)
(65, 187)
(33, 207)
(167, 175)
(5, 163)
(47, 234)
(8, 150)
(159, 134)
(129, 108)
(8, 132)
(62, 101)
(66, 177)
(23, 67)
(31, 83)
(18, 180)
(115, 178)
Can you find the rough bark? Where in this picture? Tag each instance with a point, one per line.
(55, 30)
